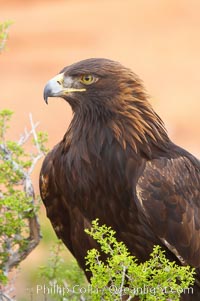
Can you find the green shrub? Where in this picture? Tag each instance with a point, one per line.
(120, 275)
(19, 228)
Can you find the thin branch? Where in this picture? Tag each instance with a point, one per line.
(34, 133)
(35, 160)
(26, 135)
(5, 297)
(122, 283)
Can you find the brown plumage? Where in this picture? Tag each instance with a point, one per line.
(117, 163)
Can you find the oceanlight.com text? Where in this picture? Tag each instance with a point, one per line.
(56, 289)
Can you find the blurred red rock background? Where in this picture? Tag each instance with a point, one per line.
(158, 39)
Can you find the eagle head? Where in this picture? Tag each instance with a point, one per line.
(95, 83)
(104, 93)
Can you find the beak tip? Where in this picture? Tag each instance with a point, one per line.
(46, 93)
(46, 99)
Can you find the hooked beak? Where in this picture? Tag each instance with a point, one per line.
(55, 87)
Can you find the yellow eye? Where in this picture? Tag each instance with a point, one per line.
(88, 79)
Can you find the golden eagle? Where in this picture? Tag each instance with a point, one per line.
(117, 163)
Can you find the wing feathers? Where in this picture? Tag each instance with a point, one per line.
(168, 193)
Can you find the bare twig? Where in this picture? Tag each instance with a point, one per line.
(122, 283)
(40, 153)
(26, 135)
(5, 297)
(34, 133)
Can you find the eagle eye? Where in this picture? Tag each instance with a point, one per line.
(88, 79)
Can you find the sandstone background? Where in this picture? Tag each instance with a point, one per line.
(158, 39)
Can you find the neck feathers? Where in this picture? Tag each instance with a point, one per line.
(128, 118)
